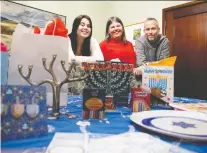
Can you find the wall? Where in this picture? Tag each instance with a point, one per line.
(72, 9)
(129, 11)
(137, 11)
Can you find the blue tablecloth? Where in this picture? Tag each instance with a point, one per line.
(114, 123)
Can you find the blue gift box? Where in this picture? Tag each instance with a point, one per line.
(4, 67)
(23, 112)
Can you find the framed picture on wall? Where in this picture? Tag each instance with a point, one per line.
(134, 31)
(13, 13)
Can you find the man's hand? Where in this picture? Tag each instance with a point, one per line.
(116, 60)
(138, 70)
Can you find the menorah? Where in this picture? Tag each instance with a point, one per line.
(56, 86)
(158, 85)
(158, 82)
(115, 77)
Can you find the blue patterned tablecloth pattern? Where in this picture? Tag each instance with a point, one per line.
(114, 123)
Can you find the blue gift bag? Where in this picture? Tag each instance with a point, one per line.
(4, 67)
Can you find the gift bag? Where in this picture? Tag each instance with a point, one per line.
(28, 48)
(23, 112)
(159, 78)
(4, 64)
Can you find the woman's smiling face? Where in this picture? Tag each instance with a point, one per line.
(115, 30)
(84, 29)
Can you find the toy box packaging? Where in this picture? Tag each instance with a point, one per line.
(159, 78)
(23, 112)
(140, 100)
(93, 103)
(115, 77)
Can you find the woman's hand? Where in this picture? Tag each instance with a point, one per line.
(138, 70)
(116, 60)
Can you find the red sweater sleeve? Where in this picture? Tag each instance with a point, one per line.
(133, 60)
(103, 49)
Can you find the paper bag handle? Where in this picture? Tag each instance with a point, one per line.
(45, 26)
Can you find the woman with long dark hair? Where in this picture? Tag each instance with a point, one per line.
(83, 47)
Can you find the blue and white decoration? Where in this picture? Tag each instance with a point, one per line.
(23, 112)
(179, 124)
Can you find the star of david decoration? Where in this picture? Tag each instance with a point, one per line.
(184, 125)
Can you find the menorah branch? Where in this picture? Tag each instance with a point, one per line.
(50, 69)
(78, 79)
(63, 66)
(67, 80)
(71, 66)
(29, 71)
(27, 77)
(52, 62)
(44, 64)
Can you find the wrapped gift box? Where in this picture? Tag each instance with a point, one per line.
(23, 112)
(93, 103)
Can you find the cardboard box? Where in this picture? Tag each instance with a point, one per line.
(160, 80)
(23, 112)
(140, 100)
(93, 103)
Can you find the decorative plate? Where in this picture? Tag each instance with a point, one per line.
(180, 124)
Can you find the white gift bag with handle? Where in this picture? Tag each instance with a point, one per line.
(29, 49)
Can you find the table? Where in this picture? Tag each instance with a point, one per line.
(114, 123)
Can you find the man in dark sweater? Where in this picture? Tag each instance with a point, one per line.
(150, 47)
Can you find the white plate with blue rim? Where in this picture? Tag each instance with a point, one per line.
(180, 124)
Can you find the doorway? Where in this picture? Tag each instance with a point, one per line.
(186, 28)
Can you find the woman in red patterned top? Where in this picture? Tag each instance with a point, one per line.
(115, 47)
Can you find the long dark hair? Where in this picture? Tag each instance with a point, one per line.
(73, 36)
(109, 22)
